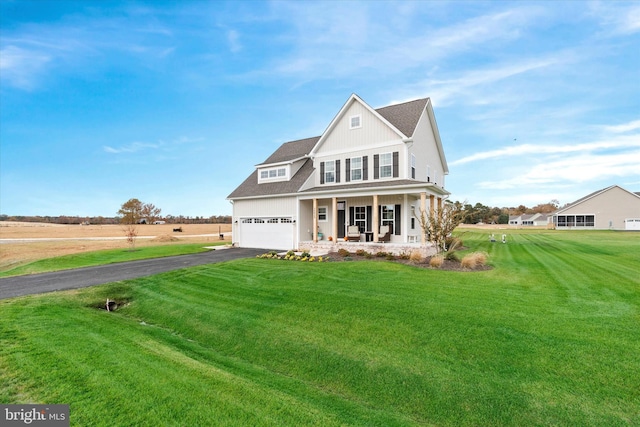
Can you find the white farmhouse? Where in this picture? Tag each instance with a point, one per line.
(365, 178)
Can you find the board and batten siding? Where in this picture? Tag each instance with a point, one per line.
(371, 131)
(276, 207)
(425, 148)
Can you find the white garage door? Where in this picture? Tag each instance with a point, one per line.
(632, 224)
(267, 233)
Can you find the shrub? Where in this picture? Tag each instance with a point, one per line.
(291, 253)
(469, 261)
(361, 252)
(390, 257)
(474, 260)
(305, 255)
(404, 255)
(381, 254)
(451, 255)
(348, 258)
(416, 256)
(436, 261)
(343, 252)
(453, 243)
(368, 255)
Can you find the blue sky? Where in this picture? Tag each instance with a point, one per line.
(175, 102)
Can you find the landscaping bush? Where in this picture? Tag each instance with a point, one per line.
(381, 254)
(436, 261)
(361, 252)
(343, 252)
(390, 257)
(416, 256)
(474, 260)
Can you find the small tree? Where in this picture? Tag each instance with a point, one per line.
(438, 224)
(130, 213)
(150, 212)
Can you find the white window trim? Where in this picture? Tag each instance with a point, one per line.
(413, 166)
(381, 165)
(281, 174)
(353, 169)
(359, 117)
(326, 214)
(327, 171)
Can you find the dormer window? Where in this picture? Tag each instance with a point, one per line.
(355, 122)
(273, 174)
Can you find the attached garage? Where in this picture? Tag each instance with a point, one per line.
(632, 224)
(267, 233)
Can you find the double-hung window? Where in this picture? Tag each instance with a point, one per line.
(360, 218)
(413, 166)
(386, 165)
(322, 213)
(356, 168)
(388, 216)
(330, 171)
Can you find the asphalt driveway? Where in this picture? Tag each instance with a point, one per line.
(83, 277)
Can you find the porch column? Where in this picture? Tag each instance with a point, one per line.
(439, 204)
(376, 220)
(315, 221)
(334, 228)
(423, 211)
(432, 205)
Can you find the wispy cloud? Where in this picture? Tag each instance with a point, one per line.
(574, 169)
(19, 66)
(621, 142)
(134, 147)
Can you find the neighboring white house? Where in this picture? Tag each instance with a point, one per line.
(370, 168)
(537, 219)
(612, 208)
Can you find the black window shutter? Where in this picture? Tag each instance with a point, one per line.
(369, 210)
(365, 168)
(376, 166)
(347, 170)
(397, 220)
(321, 172)
(395, 164)
(337, 170)
(351, 215)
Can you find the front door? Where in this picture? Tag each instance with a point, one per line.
(342, 217)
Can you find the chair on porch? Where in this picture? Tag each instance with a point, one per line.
(353, 233)
(384, 235)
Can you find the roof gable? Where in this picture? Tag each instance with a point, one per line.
(394, 112)
(592, 195)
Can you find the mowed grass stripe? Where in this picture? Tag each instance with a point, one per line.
(259, 342)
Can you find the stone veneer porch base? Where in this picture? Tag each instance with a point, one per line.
(325, 246)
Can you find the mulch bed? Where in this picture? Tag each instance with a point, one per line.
(447, 264)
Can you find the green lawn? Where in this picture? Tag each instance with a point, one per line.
(550, 336)
(110, 256)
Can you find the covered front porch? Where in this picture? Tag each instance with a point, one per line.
(385, 217)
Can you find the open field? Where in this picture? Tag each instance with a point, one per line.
(56, 240)
(549, 336)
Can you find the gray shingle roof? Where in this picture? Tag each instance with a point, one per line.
(292, 150)
(404, 116)
(251, 188)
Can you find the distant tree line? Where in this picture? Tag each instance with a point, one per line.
(102, 220)
(473, 214)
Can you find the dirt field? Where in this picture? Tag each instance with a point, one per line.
(55, 239)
